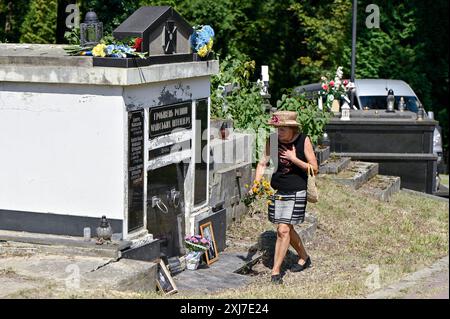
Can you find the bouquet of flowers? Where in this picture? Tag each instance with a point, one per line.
(202, 40)
(112, 49)
(259, 190)
(335, 89)
(196, 243)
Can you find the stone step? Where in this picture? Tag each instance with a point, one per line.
(334, 165)
(356, 174)
(381, 187)
(63, 245)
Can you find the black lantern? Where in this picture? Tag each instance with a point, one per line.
(390, 101)
(91, 30)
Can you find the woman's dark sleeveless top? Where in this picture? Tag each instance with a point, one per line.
(288, 176)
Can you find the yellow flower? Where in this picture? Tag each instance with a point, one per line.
(269, 202)
(254, 189)
(99, 50)
(246, 185)
(203, 51)
(210, 44)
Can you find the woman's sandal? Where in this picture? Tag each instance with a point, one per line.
(276, 279)
(297, 267)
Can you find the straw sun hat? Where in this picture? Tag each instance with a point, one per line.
(284, 118)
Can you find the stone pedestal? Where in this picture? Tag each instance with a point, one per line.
(400, 144)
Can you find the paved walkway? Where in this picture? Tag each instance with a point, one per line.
(218, 276)
(428, 283)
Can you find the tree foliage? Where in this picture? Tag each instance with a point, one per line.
(298, 40)
(39, 25)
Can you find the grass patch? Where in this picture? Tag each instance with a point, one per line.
(444, 179)
(355, 235)
(358, 239)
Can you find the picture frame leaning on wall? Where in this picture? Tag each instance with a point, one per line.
(211, 254)
(164, 280)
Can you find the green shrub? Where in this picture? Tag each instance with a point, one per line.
(39, 25)
(312, 120)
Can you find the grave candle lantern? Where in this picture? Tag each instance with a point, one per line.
(390, 101)
(345, 115)
(91, 30)
(420, 112)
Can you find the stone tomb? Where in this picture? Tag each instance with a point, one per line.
(80, 141)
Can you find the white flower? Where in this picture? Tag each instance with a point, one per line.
(339, 72)
(350, 85)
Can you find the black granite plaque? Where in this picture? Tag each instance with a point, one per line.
(135, 170)
(164, 119)
(161, 151)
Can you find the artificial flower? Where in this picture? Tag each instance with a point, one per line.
(210, 44)
(274, 119)
(115, 50)
(138, 44)
(335, 89)
(203, 51)
(99, 50)
(196, 243)
(202, 40)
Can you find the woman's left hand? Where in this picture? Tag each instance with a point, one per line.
(288, 154)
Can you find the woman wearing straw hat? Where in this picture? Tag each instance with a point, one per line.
(287, 207)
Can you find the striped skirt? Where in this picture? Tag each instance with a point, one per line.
(287, 207)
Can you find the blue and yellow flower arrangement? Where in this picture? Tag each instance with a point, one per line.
(113, 49)
(202, 40)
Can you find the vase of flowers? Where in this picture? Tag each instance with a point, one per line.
(335, 89)
(197, 245)
(193, 259)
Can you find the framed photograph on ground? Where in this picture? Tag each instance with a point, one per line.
(164, 280)
(206, 230)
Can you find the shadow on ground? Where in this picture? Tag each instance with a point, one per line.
(266, 246)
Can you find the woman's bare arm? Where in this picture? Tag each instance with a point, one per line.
(262, 164)
(311, 156)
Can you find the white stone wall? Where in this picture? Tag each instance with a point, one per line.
(62, 149)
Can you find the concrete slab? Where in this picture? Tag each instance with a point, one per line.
(63, 245)
(72, 273)
(357, 174)
(14, 285)
(41, 63)
(219, 275)
(426, 195)
(322, 154)
(431, 282)
(381, 187)
(334, 165)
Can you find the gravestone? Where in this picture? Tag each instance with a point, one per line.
(106, 138)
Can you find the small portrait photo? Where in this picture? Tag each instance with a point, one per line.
(164, 280)
(211, 254)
